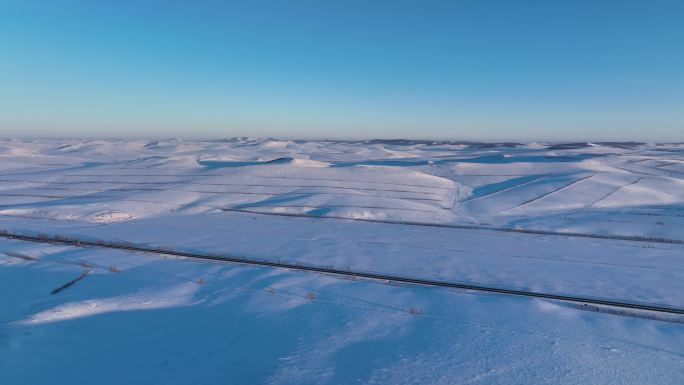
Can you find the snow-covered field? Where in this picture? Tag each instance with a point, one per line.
(600, 220)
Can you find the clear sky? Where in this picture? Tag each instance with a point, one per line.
(460, 69)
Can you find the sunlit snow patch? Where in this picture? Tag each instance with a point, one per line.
(111, 216)
(178, 296)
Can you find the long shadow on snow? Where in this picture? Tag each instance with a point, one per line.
(486, 159)
(274, 201)
(214, 164)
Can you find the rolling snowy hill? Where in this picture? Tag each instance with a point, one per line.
(594, 220)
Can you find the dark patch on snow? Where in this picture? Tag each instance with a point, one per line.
(569, 146)
(70, 283)
(214, 164)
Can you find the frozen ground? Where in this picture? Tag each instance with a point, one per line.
(588, 219)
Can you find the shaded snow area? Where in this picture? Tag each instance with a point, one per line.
(591, 220)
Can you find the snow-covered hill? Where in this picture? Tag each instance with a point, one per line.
(592, 219)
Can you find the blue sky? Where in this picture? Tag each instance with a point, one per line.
(476, 70)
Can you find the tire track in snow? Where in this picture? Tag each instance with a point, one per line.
(635, 172)
(218, 184)
(549, 193)
(504, 189)
(616, 190)
(627, 238)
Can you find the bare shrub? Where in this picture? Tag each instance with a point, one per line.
(414, 311)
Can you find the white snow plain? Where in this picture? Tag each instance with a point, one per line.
(589, 219)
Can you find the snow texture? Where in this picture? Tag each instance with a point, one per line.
(592, 219)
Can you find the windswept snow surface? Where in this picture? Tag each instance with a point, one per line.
(599, 220)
